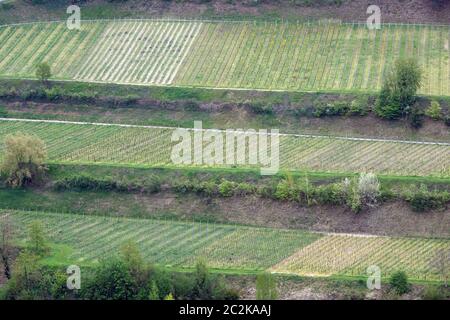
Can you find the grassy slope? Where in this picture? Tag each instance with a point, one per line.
(215, 108)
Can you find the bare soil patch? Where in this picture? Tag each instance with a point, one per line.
(393, 218)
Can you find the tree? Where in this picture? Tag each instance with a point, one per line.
(6, 246)
(112, 281)
(266, 287)
(399, 282)
(27, 277)
(24, 159)
(398, 93)
(154, 291)
(204, 285)
(131, 255)
(43, 72)
(38, 245)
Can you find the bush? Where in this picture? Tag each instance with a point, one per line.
(399, 282)
(399, 89)
(260, 108)
(447, 120)
(266, 287)
(286, 190)
(359, 107)
(331, 109)
(332, 194)
(433, 292)
(226, 188)
(87, 183)
(423, 200)
(434, 111)
(416, 118)
(24, 159)
(368, 189)
(112, 281)
(43, 71)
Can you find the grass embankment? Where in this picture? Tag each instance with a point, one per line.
(291, 112)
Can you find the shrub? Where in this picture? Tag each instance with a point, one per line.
(43, 71)
(244, 188)
(447, 120)
(112, 281)
(24, 160)
(399, 89)
(416, 118)
(368, 189)
(359, 107)
(226, 188)
(433, 292)
(399, 282)
(266, 287)
(286, 190)
(329, 194)
(423, 200)
(331, 109)
(260, 108)
(434, 111)
(87, 183)
(209, 188)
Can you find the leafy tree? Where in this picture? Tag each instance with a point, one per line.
(38, 245)
(266, 287)
(154, 292)
(24, 159)
(203, 286)
(399, 282)
(27, 279)
(43, 72)
(112, 281)
(131, 255)
(398, 93)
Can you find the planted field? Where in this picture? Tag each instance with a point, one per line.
(351, 255)
(152, 146)
(181, 244)
(168, 242)
(247, 54)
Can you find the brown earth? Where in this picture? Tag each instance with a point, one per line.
(407, 11)
(412, 11)
(324, 289)
(392, 218)
(235, 117)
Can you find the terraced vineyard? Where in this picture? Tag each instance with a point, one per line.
(152, 146)
(168, 242)
(246, 54)
(351, 255)
(247, 248)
